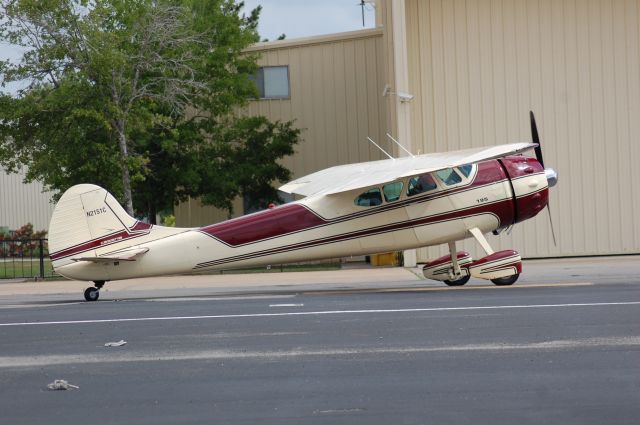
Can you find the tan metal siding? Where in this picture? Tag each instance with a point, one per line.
(23, 203)
(336, 100)
(478, 66)
(192, 213)
(385, 10)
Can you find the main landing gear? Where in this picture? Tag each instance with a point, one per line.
(458, 282)
(502, 268)
(92, 293)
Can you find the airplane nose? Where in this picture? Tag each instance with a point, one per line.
(551, 175)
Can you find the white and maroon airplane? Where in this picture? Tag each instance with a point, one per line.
(354, 209)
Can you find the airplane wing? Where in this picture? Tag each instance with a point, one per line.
(343, 178)
(124, 255)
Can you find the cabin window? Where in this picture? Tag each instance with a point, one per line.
(420, 184)
(465, 170)
(370, 198)
(392, 191)
(449, 176)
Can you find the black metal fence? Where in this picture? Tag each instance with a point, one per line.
(24, 258)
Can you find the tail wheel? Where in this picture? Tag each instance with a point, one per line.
(458, 282)
(506, 281)
(91, 294)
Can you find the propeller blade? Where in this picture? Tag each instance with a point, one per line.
(538, 150)
(536, 138)
(553, 233)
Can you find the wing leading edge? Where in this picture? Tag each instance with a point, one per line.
(343, 178)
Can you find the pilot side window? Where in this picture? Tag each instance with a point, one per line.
(420, 184)
(370, 198)
(449, 176)
(392, 191)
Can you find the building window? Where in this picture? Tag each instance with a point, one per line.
(272, 82)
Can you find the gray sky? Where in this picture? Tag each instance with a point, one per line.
(303, 18)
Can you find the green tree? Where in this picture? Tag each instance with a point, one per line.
(245, 157)
(137, 95)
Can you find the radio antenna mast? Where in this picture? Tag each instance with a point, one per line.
(383, 151)
(399, 144)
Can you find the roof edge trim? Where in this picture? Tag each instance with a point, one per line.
(317, 39)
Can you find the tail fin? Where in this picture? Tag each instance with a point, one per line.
(88, 217)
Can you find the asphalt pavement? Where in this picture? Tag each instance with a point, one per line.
(560, 346)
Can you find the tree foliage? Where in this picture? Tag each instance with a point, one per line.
(138, 96)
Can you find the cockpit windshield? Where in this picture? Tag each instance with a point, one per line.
(449, 176)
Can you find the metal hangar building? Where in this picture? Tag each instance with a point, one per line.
(469, 72)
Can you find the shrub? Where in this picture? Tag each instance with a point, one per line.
(21, 242)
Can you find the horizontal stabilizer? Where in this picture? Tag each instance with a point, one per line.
(343, 178)
(125, 255)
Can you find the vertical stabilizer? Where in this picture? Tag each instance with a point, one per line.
(87, 217)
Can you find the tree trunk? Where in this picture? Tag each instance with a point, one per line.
(152, 211)
(126, 178)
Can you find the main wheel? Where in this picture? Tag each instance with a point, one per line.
(506, 281)
(91, 294)
(458, 282)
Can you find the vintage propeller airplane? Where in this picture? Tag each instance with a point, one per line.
(354, 209)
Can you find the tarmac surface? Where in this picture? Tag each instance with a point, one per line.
(360, 346)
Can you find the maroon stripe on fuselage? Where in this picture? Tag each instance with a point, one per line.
(140, 226)
(92, 244)
(501, 210)
(138, 229)
(264, 225)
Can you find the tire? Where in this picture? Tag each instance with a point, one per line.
(91, 294)
(458, 282)
(506, 281)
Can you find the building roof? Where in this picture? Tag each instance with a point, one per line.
(317, 39)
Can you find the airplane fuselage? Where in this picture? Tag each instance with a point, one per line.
(489, 195)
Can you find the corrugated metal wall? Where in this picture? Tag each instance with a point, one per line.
(336, 84)
(23, 203)
(193, 213)
(478, 66)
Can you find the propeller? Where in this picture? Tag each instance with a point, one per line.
(536, 138)
(552, 176)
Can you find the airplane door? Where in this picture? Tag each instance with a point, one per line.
(389, 227)
(432, 210)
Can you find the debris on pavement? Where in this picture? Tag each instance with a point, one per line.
(116, 344)
(61, 385)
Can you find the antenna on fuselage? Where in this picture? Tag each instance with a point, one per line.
(399, 144)
(377, 146)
